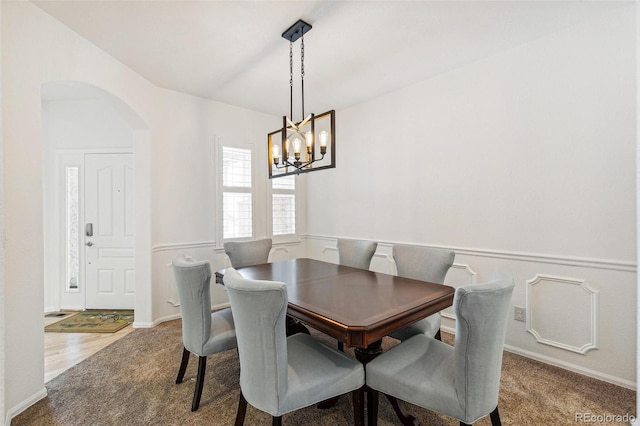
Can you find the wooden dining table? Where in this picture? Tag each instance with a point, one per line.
(355, 306)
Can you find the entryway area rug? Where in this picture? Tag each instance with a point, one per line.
(92, 322)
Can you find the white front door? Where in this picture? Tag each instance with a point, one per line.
(109, 231)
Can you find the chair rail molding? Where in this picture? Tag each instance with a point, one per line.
(595, 263)
(553, 300)
(182, 246)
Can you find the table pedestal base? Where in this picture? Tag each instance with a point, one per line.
(364, 356)
(398, 406)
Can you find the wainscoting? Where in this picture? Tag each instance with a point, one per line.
(166, 301)
(580, 314)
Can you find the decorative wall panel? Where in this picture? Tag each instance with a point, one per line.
(562, 312)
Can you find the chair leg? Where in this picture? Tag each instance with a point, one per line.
(277, 421)
(438, 336)
(242, 410)
(358, 406)
(202, 368)
(341, 346)
(183, 365)
(495, 418)
(372, 408)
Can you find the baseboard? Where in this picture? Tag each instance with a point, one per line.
(14, 411)
(51, 309)
(140, 324)
(220, 306)
(72, 308)
(572, 367)
(563, 364)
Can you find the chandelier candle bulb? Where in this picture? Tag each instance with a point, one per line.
(296, 148)
(324, 136)
(309, 138)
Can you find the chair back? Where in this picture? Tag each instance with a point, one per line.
(423, 263)
(356, 253)
(193, 280)
(247, 253)
(259, 310)
(481, 323)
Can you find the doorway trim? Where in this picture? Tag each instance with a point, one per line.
(61, 297)
(141, 148)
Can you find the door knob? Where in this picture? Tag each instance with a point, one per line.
(89, 243)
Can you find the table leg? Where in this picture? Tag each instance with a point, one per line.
(364, 356)
(293, 326)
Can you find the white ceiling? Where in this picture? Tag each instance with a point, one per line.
(233, 52)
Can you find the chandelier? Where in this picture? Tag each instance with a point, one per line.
(306, 145)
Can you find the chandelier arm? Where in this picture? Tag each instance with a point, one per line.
(308, 163)
(300, 166)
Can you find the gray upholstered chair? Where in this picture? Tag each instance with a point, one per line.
(247, 253)
(356, 253)
(425, 264)
(279, 375)
(462, 381)
(203, 333)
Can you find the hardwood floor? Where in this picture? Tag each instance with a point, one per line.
(64, 350)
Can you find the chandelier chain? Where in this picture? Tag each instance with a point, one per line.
(302, 72)
(291, 64)
(291, 79)
(302, 57)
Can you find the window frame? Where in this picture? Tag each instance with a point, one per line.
(294, 237)
(222, 189)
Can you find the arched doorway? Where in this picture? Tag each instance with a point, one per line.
(82, 122)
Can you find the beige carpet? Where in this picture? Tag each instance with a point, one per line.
(132, 382)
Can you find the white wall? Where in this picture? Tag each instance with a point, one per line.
(637, 200)
(185, 207)
(523, 161)
(173, 152)
(37, 50)
(637, 421)
(83, 123)
(2, 303)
